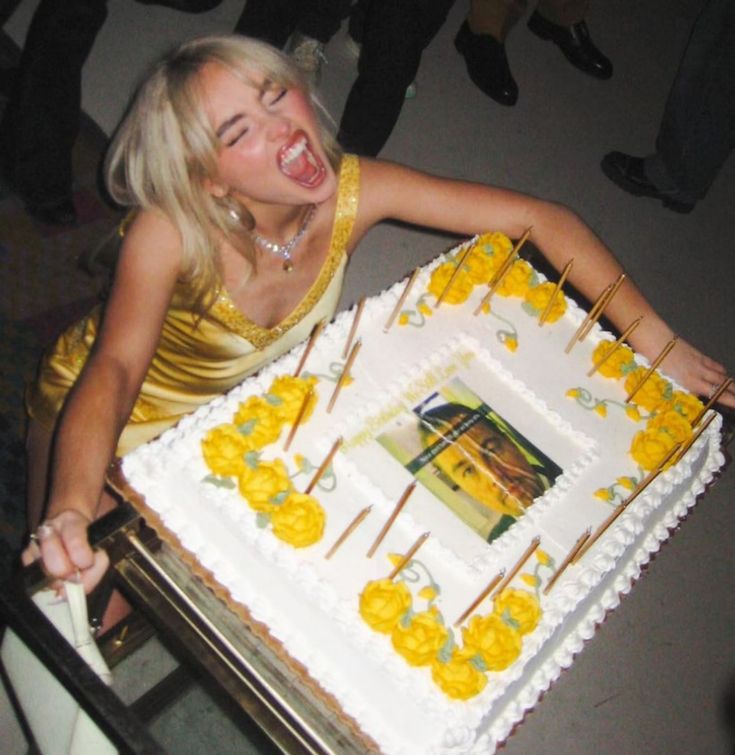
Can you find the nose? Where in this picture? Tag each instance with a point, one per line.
(277, 127)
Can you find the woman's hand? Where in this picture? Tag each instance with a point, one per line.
(62, 544)
(698, 373)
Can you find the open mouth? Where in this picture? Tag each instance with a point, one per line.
(298, 161)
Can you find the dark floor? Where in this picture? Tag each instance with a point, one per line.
(659, 677)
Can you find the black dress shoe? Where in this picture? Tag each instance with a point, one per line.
(59, 212)
(487, 65)
(574, 41)
(629, 174)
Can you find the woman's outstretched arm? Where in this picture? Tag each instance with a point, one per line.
(393, 191)
(99, 405)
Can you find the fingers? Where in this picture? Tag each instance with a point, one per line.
(701, 375)
(62, 544)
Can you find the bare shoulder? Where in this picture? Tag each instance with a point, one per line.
(386, 187)
(152, 236)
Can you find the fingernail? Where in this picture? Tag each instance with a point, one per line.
(44, 531)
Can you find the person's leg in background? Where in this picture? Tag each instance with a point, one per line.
(318, 21)
(697, 131)
(563, 23)
(481, 40)
(394, 35)
(273, 21)
(41, 120)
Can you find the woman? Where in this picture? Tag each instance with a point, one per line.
(235, 186)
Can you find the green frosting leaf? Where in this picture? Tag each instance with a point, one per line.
(246, 428)
(252, 458)
(220, 482)
(279, 498)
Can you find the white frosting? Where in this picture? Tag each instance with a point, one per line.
(310, 603)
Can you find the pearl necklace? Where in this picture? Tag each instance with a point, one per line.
(284, 250)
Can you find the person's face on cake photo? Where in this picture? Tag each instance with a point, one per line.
(488, 466)
(270, 149)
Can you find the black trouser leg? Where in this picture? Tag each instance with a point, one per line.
(394, 35)
(697, 131)
(41, 120)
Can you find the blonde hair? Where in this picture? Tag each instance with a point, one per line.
(165, 149)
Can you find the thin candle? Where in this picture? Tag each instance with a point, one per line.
(519, 564)
(409, 555)
(345, 373)
(401, 300)
(392, 518)
(299, 417)
(599, 302)
(581, 540)
(642, 485)
(317, 329)
(497, 279)
(603, 306)
(562, 280)
(351, 527)
(724, 385)
(353, 329)
(656, 362)
(615, 346)
(453, 276)
(476, 602)
(323, 466)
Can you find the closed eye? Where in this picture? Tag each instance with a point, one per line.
(235, 139)
(280, 94)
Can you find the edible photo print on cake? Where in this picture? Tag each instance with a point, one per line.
(469, 457)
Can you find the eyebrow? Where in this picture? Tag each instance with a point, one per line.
(228, 124)
(264, 89)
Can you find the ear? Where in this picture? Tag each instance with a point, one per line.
(217, 190)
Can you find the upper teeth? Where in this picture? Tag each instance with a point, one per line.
(294, 151)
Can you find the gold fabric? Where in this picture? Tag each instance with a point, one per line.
(195, 361)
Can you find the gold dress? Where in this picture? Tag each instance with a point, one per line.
(197, 361)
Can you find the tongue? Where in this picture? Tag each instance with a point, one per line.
(300, 169)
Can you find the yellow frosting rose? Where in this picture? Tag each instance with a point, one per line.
(538, 297)
(291, 391)
(499, 242)
(299, 520)
(261, 485)
(259, 421)
(421, 640)
(686, 404)
(458, 678)
(223, 448)
(497, 643)
(672, 423)
(653, 392)
(522, 606)
(615, 366)
(517, 280)
(479, 266)
(383, 603)
(649, 447)
(460, 289)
